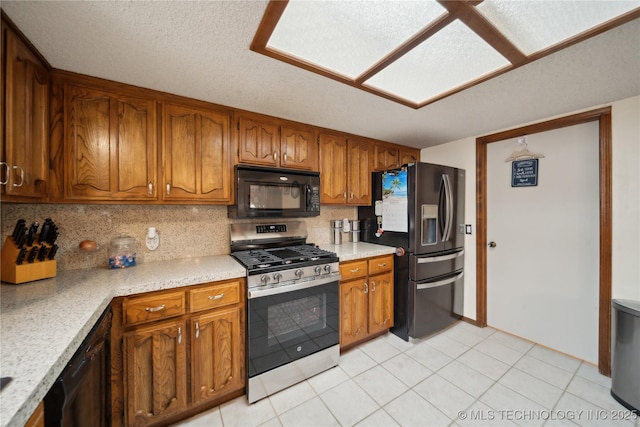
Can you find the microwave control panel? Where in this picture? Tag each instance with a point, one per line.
(314, 201)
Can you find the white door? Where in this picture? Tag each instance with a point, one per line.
(542, 274)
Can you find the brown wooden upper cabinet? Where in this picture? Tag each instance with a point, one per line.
(390, 156)
(195, 154)
(266, 142)
(24, 154)
(110, 148)
(345, 170)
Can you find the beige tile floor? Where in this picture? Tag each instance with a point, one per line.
(462, 376)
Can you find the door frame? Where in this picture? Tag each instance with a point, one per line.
(603, 117)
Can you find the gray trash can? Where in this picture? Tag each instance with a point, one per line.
(625, 353)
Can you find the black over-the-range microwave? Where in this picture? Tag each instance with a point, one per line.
(275, 193)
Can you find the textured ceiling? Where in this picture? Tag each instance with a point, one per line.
(200, 49)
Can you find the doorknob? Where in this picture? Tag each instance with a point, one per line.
(492, 244)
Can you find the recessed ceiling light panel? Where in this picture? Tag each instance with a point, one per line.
(347, 37)
(452, 57)
(535, 25)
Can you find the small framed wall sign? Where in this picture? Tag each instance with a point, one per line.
(524, 173)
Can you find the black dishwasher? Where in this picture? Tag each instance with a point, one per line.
(80, 396)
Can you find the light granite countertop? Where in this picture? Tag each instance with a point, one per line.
(42, 323)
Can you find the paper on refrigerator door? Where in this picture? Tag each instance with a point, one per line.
(395, 202)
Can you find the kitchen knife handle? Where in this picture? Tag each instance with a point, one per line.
(21, 176)
(6, 173)
(151, 188)
(168, 188)
(215, 297)
(155, 309)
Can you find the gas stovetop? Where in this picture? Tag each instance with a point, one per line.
(284, 257)
(277, 254)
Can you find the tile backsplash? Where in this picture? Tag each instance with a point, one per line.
(185, 231)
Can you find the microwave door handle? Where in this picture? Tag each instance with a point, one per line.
(308, 198)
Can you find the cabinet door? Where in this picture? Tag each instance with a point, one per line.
(359, 172)
(216, 354)
(409, 155)
(380, 302)
(26, 122)
(195, 154)
(353, 311)
(155, 372)
(110, 146)
(386, 157)
(333, 169)
(299, 149)
(258, 143)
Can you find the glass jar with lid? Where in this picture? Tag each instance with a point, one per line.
(122, 252)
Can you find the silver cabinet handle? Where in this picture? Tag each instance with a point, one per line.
(168, 188)
(21, 176)
(344, 195)
(284, 156)
(355, 271)
(352, 195)
(384, 264)
(275, 155)
(197, 330)
(179, 335)
(215, 297)
(366, 288)
(373, 286)
(155, 309)
(151, 188)
(6, 173)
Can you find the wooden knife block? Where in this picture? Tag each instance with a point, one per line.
(26, 272)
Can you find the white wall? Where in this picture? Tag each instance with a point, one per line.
(626, 198)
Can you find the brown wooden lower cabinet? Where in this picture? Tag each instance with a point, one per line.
(187, 357)
(366, 299)
(37, 418)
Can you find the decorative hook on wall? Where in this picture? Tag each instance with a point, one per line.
(524, 153)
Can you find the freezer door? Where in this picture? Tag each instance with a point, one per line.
(424, 267)
(434, 305)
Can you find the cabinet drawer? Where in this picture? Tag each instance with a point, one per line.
(215, 295)
(349, 270)
(152, 307)
(378, 265)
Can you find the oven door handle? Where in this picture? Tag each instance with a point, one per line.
(258, 293)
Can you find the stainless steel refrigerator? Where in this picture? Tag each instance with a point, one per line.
(419, 209)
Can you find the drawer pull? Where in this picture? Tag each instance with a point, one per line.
(384, 264)
(155, 309)
(355, 271)
(215, 297)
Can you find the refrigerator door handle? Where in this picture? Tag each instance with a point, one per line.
(440, 282)
(440, 258)
(446, 235)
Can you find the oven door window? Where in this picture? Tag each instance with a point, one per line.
(288, 326)
(277, 197)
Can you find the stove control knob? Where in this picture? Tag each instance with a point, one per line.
(264, 279)
(299, 273)
(327, 268)
(318, 270)
(277, 277)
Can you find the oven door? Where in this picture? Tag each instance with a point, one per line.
(288, 323)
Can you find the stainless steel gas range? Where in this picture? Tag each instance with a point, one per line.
(292, 305)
